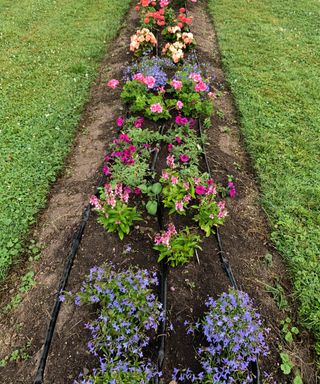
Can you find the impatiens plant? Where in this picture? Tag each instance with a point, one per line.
(127, 318)
(234, 337)
(113, 210)
(177, 248)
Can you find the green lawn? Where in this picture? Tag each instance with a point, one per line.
(49, 54)
(271, 55)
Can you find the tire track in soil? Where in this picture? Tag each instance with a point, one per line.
(245, 237)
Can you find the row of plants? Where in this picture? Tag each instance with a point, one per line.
(165, 97)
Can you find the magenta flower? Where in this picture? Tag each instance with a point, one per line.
(170, 146)
(138, 123)
(106, 170)
(137, 191)
(178, 140)
(113, 83)
(170, 161)
(181, 120)
(120, 121)
(184, 158)
(125, 138)
(200, 190)
(232, 189)
(156, 108)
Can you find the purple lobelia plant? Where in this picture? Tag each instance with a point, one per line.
(234, 337)
(128, 317)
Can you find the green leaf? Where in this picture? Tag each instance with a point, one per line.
(156, 188)
(152, 207)
(288, 337)
(297, 379)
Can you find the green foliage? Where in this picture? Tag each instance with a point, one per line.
(288, 331)
(278, 294)
(273, 72)
(19, 354)
(152, 191)
(131, 175)
(183, 246)
(143, 136)
(50, 53)
(286, 365)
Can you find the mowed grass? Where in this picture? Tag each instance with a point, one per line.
(49, 55)
(270, 50)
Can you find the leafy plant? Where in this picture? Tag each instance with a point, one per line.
(152, 191)
(128, 314)
(19, 354)
(286, 364)
(177, 248)
(288, 331)
(278, 294)
(115, 215)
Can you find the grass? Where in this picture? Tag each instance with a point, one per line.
(49, 55)
(270, 51)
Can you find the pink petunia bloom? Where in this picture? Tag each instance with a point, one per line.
(181, 120)
(171, 229)
(106, 170)
(120, 121)
(195, 77)
(200, 87)
(149, 81)
(187, 198)
(184, 158)
(138, 123)
(170, 146)
(94, 201)
(156, 108)
(113, 83)
(176, 84)
(179, 104)
(186, 185)
(200, 190)
(222, 212)
(125, 138)
(178, 140)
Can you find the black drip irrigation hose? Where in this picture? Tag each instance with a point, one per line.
(63, 282)
(62, 285)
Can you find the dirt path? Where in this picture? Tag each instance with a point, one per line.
(245, 237)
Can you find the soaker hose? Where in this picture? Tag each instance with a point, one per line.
(63, 282)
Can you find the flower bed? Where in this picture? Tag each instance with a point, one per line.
(173, 95)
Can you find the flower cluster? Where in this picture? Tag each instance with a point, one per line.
(142, 39)
(115, 215)
(129, 314)
(234, 338)
(176, 247)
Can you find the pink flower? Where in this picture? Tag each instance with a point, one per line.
(119, 121)
(94, 201)
(232, 189)
(222, 212)
(125, 138)
(161, 90)
(165, 175)
(171, 229)
(106, 170)
(137, 191)
(174, 180)
(179, 206)
(184, 158)
(179, 104)
(170, 146)
(178, 140)
(187, 198)
(200, 190)
(139, 77)
(156, 108)
(200, 87)
(195, 77)
(170, 161)
(186, 185)
(181, 120)
(149, 81)
(138, 123)
(213, 95)
(113, 83)
(176, 84)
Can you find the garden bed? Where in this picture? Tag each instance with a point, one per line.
(244, 237)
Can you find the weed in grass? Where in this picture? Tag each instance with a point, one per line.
(19, 354)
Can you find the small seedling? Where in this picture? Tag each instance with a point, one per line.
(286, 366)
(268, 260)
(220, 114)
(288, 331)
(278, 294)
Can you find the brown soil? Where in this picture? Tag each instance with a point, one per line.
(244, 236)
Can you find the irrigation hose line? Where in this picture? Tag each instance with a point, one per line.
(63, 282)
